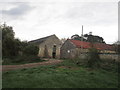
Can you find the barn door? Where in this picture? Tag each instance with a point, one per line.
(54, 51)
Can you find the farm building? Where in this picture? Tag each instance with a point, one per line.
(49, 47)
(75, 48)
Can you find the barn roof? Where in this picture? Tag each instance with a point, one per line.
(41, 40)
(99, 46)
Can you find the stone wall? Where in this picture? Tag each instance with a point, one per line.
(67, 50)
(50, 42)
(83, 53)
(109, 56)
(102, 56)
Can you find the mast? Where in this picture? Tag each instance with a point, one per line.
(82, 40)
(82, 30)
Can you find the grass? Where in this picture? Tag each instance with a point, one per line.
(22, 60)
(64, 75)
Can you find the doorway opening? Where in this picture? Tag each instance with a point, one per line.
(54, 51)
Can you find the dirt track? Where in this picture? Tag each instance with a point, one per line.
(14, 67)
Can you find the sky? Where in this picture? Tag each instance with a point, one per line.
(32, 20)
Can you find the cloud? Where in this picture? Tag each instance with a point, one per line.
(93, 13)
(20, 10)
(103, 14)
(63, 19)
(16, 11)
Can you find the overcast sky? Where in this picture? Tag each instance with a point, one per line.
(33, 20)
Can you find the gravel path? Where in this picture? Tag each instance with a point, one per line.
(14, 67)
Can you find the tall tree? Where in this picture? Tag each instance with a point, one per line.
(10, 45)
(93, 38)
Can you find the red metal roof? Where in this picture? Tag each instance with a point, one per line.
(99, 46)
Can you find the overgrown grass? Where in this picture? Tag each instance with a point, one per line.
(22, 60)
(105, 64)
(64, 75)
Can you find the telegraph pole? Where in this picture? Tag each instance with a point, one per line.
(82, 41)
(82, 30)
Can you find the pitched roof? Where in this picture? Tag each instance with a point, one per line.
(41, 40)
(79, 44)
(99, 46)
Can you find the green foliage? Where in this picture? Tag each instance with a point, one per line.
(13, 49)
(93, 58)
(23, 44)
(30, 50)
(10, 45)
(77, 37)
(90, 38)
(93, 38)
(7, 32)
(69, 63)
(22, 60)
(25, 58)
(109, 65)
(26, 53)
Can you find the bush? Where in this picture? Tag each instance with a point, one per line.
(30, 50)
(26, 58)
(23, 59)
(109, 65)
(93, 58)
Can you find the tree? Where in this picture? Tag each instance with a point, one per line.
(30, 49)
(93, 38)
(88, 38)
(10, 45)
(93, 58)
(23, 45)
(77, 37)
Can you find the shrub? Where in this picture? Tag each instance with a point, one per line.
(30, 50)
(25, 58)
(93, 58)
(109, 65)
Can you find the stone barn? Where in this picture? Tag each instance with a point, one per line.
(49, 47)
(79, 49)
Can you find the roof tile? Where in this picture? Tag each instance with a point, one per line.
(99, 46)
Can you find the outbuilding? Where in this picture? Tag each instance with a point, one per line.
(79, 49)
(49, 47)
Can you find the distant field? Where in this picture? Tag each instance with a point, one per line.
(64, 75)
